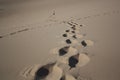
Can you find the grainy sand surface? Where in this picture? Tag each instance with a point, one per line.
(28, 32)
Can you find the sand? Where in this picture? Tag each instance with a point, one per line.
(28, 33)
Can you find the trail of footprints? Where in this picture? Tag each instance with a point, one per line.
(32, 26)
(71, 54)
(68, 55)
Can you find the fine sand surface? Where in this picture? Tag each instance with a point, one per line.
(28, 32)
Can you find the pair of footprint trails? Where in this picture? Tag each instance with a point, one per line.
(72, 60)
(73, 31)
(73, 57)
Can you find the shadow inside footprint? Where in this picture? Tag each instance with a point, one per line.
(41, 73)
(63, 50)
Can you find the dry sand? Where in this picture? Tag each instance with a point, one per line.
(28, 33)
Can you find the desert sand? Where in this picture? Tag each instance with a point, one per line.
(30, 29)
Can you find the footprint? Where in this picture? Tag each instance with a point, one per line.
(67, 30)
(68, 41)
(73, 61)
(64, 35)
(87, 43)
